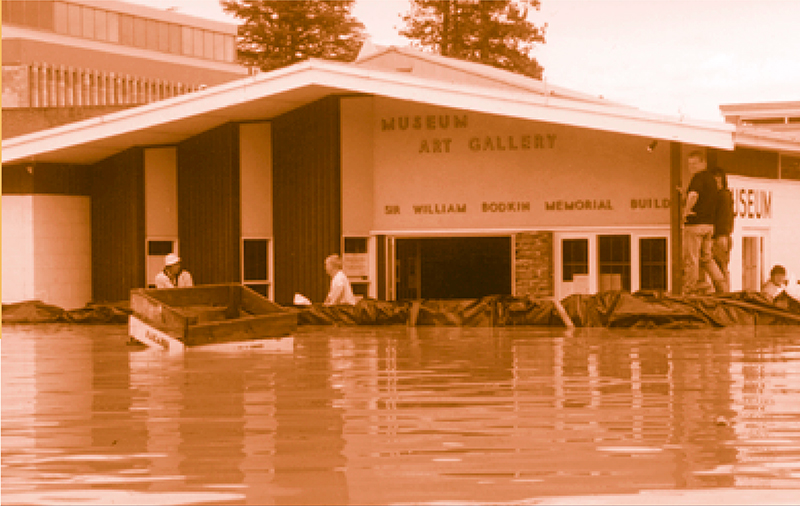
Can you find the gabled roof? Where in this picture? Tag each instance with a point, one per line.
(403, 59)
(267, 95)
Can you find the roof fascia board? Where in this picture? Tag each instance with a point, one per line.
(498, 75)
(762, 140)
(548, 109)
(346, 77)
(140, 118)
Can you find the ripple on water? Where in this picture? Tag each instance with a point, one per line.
(402, 415)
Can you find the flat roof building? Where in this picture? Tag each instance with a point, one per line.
(69, 60)
(435, 178)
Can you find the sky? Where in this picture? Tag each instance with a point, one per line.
(674, 57)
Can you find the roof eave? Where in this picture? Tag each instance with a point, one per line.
(371, 82)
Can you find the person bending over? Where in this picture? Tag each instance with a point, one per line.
(341, 292)
(173, 275)
(776, 284)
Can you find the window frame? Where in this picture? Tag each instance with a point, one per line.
(270, 265)
(643, 264)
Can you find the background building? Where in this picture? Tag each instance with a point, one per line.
(69, 60)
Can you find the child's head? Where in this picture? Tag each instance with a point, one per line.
(778, 275)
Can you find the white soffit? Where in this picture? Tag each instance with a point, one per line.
(267, 95)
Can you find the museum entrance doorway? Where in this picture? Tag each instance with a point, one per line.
(452, 267)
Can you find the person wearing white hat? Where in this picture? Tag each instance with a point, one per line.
(173, 275)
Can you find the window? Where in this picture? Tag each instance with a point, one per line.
(163, 37)
(88, 22)
(255, 265)
(208, 45)
(152, 34)
(790, 167)
(59, 15)
(614, 262)
(31, 13)
(175, 39)
(125, 29)
(197, 35)
(574, 258)
(356, 264)
(187, 39)
(219, 47)
(100, 28)
(113, 27)
(159, 248)
(46, 15)
(74, 20)
(230, 48)
(752, 263)
(14, 12)
(653, 263)
(139, 32)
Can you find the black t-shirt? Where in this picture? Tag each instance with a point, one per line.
(723, 222)
(705, 185)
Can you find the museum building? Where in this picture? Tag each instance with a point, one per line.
(433, 177)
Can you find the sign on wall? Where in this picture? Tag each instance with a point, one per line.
(439, 168)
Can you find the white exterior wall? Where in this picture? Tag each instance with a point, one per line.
(161, 192)
(779, 226)
(357, 138)
(255, 162)
(358, 186)
(496, 160)
(160, 204)
(18, 280)
(62, 240)
(255, 154)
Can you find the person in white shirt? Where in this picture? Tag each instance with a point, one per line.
(341, 292)
(173, 275)
(776, 284)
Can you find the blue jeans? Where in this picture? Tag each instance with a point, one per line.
(698, 258)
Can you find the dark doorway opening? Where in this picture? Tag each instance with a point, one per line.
(453, 267)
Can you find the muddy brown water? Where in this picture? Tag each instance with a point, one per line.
(398, 415)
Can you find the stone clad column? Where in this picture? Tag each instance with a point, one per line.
(533, 264)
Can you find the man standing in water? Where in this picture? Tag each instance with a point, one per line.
(723, 226)
(341, 292)
(173, 275)
(699, 214)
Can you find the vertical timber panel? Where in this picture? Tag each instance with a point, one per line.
(118, 222)
(307, 195)
(676, 218)
(209, 211)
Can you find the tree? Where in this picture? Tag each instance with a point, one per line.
(494, 32)
(278, 33)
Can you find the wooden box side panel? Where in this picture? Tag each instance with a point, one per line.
(211, 295)
(254, 304)
(158, 314)
(243, 329)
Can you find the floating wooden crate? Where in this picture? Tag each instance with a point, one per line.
(229, 314)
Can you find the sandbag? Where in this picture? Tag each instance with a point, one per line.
(38, 312)
(513, 311)
(32, 311)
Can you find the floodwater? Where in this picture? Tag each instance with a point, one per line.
(397, 415)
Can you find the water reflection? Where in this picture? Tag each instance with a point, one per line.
(393, 415)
